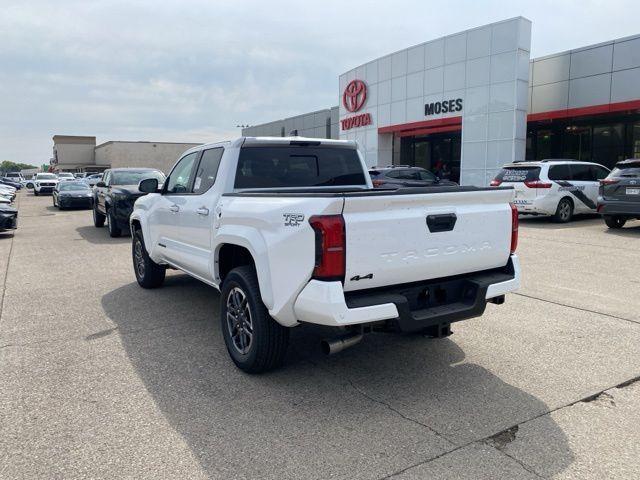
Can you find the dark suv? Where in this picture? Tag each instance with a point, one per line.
(619, 194)
(405, 176)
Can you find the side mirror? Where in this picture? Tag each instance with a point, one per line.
(148, 185)
(101, 184)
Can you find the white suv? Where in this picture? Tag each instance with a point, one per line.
(560, 188)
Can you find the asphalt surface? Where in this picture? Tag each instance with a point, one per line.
(102, 379)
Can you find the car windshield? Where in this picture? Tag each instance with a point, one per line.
(518, 174)
(626, 170)
(46, 176)
(133, 177)
(66, 175)
(66, 186)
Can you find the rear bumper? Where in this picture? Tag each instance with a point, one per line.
(408, 307)
(543, 205)
(618, 207)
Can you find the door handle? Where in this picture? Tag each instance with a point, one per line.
(202, 211)
(174, 208)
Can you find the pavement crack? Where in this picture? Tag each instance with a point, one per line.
(101, 334)
(518, 461)
(398, 412)
(506, 436)
(364, 394)
(560, 304)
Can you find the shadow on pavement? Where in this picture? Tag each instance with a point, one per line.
(631, 230)
(579, 221)
(360, 414)
(100, 235)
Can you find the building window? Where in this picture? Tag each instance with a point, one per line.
(577, 143)
(608, 144)
(544, 140)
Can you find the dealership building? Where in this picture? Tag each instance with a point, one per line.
(465, 104)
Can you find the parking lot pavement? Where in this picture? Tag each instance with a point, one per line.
(101, 379)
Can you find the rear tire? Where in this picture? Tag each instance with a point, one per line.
(98, 218)
(114, 230)
(254, 340)
(614, 221)
(148, 273)
(564, 212)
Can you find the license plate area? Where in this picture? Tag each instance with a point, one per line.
(633, 191)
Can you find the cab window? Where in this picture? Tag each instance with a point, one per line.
(181, 175)
(207, 170)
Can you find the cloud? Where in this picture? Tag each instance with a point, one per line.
(175, 70)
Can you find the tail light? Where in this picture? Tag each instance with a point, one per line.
(495, 183)
(514, 228)
(330, 247)
(608, 181)
(378, 183)
(537, 184)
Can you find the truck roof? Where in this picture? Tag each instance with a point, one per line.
(255, 141)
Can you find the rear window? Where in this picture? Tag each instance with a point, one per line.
(518, 174)
(298, 166)
(626, 170)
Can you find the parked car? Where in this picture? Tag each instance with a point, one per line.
(66, 177)
(291, 230)
(8, 218)
(11, 183)
(7, 193)
(405, 176)
(79, 175)
(115, 194)
(92, 179)
(6, 197)
(72, 195)
(15, 176)
(44, 183)
(619, 194)
(560, 188)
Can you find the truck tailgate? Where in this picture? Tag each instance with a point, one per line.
(395, 239)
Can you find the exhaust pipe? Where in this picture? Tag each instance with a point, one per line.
(335, 345)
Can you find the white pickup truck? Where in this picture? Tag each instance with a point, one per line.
(291, 230)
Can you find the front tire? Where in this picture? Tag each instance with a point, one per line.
(148, 273)
(254, 340)
(614, 221)
(98, 218)
(114, 230)
(35, 192)
(564, 212)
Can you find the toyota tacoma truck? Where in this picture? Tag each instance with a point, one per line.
(291, 231)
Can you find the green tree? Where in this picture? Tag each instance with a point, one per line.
(8, 166)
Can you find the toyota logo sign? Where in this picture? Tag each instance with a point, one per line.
(354, 96)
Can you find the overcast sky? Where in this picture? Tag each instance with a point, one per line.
(191, 70)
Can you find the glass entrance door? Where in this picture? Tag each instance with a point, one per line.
(439, 153)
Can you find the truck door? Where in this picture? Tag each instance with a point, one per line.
(197, 214)
(164, 220)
